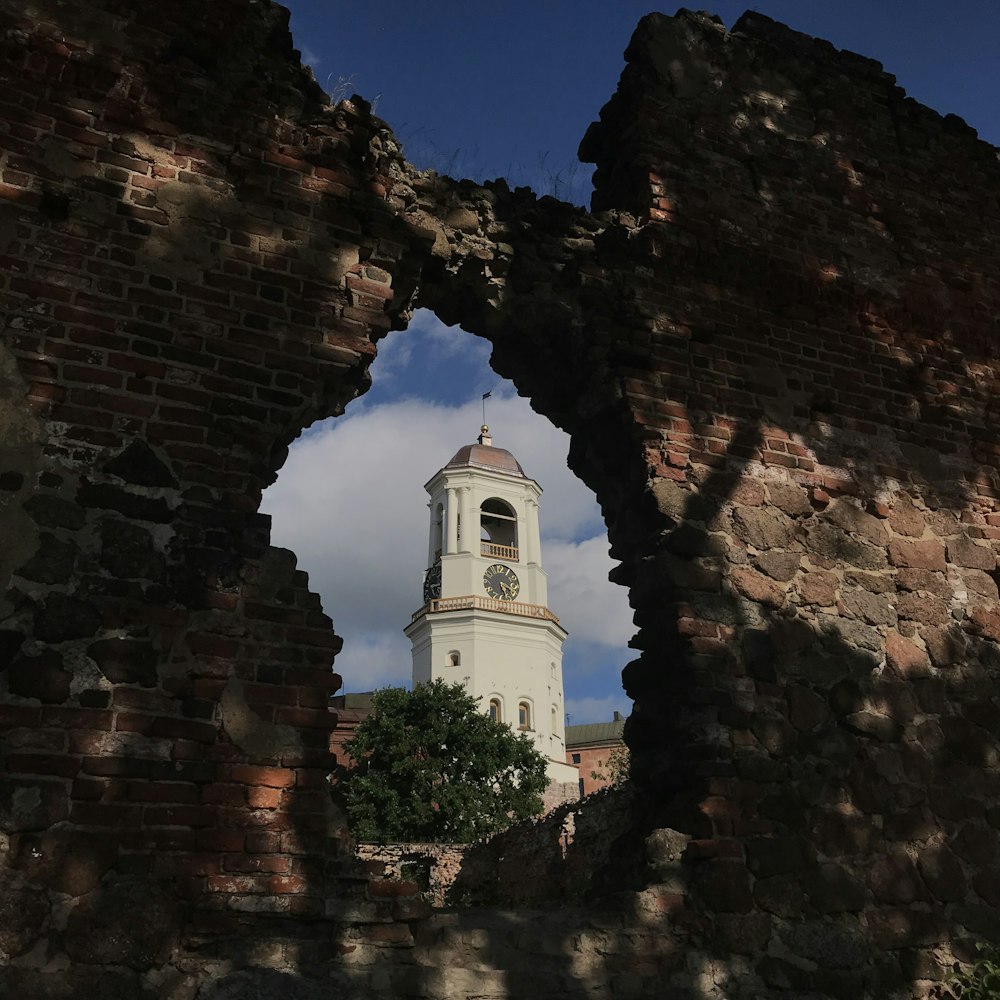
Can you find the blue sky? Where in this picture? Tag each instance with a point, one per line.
(508, 89)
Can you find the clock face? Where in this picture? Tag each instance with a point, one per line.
(432, 583)
(501, 582)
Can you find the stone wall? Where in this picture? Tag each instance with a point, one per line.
(428, 869)
(775, 345)
(557, 859)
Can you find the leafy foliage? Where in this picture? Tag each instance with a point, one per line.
(432, 767)
(616, 769)
(979, 981)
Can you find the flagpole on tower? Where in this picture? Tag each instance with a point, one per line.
(484, 431)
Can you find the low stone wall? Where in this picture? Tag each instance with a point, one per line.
(563, 856)
(426, 868)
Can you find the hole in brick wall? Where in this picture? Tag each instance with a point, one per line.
(350, 502)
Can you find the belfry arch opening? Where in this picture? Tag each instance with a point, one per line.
(498, 529)
(350, 503)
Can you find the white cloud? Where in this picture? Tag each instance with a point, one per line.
(590, 607)
(373, 660)
(309, 58)
(350, 503)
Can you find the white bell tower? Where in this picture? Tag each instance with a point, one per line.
(485, 621)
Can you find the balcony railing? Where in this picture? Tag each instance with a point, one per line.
(508, 552)
(486, 604)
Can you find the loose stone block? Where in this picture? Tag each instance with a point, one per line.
(963, 551)
(942, 873)
(723, 885)
(852, 519)
(905, 657)
(818, 588)
(906, 519)
(919, 555)
(764, 528)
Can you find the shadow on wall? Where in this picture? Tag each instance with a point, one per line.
(844, 834)
(125, 792)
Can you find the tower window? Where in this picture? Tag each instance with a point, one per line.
(454, 658)
(495, 713)
(523, 715)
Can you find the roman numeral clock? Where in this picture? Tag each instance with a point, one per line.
(485, 621)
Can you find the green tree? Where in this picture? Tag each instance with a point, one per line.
(432, 767)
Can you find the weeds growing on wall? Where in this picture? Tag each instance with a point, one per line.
(979, 981)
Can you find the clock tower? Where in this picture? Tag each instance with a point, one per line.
(485, 621)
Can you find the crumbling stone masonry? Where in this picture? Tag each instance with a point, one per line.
(773, 343)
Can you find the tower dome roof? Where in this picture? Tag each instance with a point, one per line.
(484, 456)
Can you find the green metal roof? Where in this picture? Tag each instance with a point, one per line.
(594, 733)
(360, 699)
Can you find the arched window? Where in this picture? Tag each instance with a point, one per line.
(454, 658)
(555, 722)
(523, 715)
(498, 529)
(496, 713)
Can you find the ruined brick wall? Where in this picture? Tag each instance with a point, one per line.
(772, 344)
(193, 251)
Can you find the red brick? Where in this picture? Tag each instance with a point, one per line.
(38, 763)
(18, 716)
(286, 884)
(256, 863)
(141, 700)
(261, 842)
(272, 777)
(183, 815)
(224, 795)
(88, 789)
(77, 718)
(390, 889)
(236, 883)
(389, 933)
(221, 840)
(184, 729)
(259, 797)
(163, 791)
(114, 815)
(212, 645)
